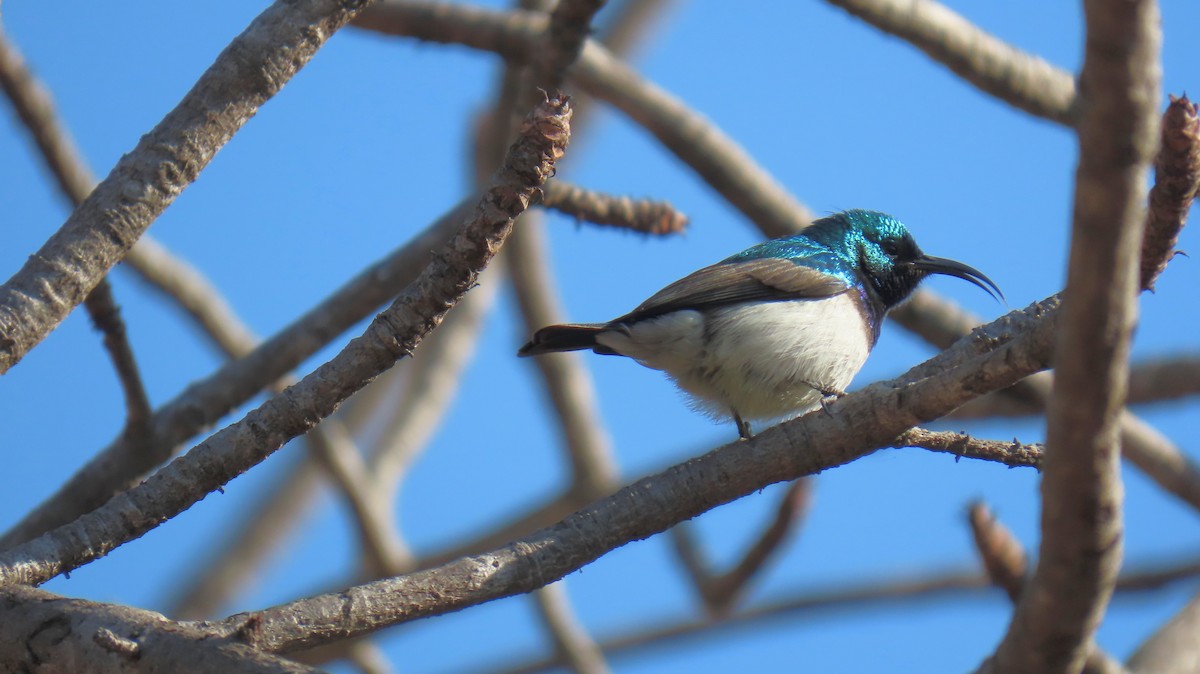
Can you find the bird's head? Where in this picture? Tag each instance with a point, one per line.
(887, 257)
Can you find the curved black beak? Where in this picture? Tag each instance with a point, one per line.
(940, 265)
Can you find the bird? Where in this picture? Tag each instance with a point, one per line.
(776, 330)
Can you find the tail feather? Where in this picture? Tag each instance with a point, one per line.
(570, 337)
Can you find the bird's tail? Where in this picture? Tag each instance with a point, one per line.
(570, 337)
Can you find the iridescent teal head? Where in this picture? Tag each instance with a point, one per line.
(882, 253)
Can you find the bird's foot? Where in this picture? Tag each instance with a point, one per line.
(828, 396)
(743, 427)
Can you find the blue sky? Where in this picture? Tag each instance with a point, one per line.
(369, 143)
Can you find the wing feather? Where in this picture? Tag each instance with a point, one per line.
(762, 280)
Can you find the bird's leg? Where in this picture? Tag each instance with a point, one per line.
(828, 395)
(743, 426)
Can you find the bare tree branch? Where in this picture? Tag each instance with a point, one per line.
(949, 583)
(854, 426)
(383, 550)
(42, 632)
(1001, 553)
(1176, 179)
(1011, 454)
(941, 322)
(204, 402)
(995, 67)
(1150, 381)
(568, 386)
(639, 215)
(1173, 649)
(249, 544)
(99, 233)
(721, 593)
(571, 642)
(1004, 560)
(392, 335)
(36, 109)
(1081, 486)
(723, 164)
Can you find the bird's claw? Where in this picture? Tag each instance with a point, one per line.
(828, 396)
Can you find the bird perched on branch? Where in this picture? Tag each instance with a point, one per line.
(776, 329)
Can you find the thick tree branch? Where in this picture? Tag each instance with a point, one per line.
(1081, 486)
(144, 182)
(994, 66)
(392, 335)
(42, 632)
(854, 426)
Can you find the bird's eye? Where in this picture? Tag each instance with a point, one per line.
(890, 246)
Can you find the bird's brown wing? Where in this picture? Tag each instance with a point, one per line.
(764, 280)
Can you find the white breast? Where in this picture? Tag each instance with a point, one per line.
(765, 360)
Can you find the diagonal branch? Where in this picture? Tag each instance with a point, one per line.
(854, 426)
(992, 65)
(716, 158)
(204, 402)
(571, 642)
(722, 592)
(567, 383)
(941, 323)
(145, 181)
(36, 109)
(1004, 560)
(1081, 486)
(391, 336)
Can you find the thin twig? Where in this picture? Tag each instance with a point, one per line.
(391, 336)
(1081, 526)
(106, 317)
(942, 323)
(995, 67)
(1012, 454)
(639, 215)
(724, 591)
(1002, 555)
(167, 159)
(35, 108)
(384, 553)
(571, 642)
